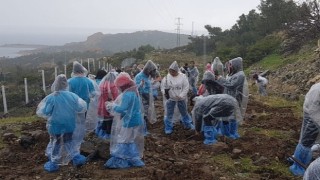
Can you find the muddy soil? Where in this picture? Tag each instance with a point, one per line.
(181, 155)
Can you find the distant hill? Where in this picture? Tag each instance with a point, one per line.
(114, 43)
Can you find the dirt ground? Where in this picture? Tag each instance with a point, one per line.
(268, 136)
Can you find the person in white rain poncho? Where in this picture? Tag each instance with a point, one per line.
(309, 130)
(235, 85)
(175, 87)
(207, 112)
(60, 109)
(143, 81)
(262, 84)
(127, 134)
(92, 113)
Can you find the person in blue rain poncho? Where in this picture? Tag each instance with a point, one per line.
(127, 134)
(59, 109)
(235, 85)
(175, 87)
(143, 81)
(209, 109)
(83, 87)
(309, 130)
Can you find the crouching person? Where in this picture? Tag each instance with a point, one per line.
(60, 108)
(127, 133)
(207, 112)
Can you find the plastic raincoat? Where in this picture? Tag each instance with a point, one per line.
(60, 109)
(127, 134)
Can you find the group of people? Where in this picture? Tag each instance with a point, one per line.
(120, 106)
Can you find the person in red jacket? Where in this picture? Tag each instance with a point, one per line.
(109, 92)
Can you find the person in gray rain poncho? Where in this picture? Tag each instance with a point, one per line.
(175, 87)
(193, 80)
(208, 109)
(309, 130)
(59, 109)
(217, 67)
(127, 134)
(313, 171)
(83, 87)
(235, 85)
(211, 85)
(143, 81)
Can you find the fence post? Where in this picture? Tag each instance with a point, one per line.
(5, 109)
(94, 66)
(108, 67)
(43, 82)
(104, 65)
(65, 70)
(99, 65)
(88, 65)
(26, 90)
(55, 72)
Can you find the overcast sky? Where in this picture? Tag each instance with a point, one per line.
(113, 16)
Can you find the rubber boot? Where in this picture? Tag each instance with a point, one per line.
(210, 134)
(225, 128)
(234, 129)
(219, 128)
(51, 166)
(304, 155)
(79, 160)
(168, 126)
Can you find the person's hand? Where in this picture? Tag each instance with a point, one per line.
(180, 97)
(109, 106)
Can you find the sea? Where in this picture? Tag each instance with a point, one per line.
(12, 52)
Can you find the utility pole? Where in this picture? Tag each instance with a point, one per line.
(178, 31)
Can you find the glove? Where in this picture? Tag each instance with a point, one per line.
(166, 93)
(109, 106)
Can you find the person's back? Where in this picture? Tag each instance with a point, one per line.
(131, 103)
(62, 106)
(80, 84)
(60, 109)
